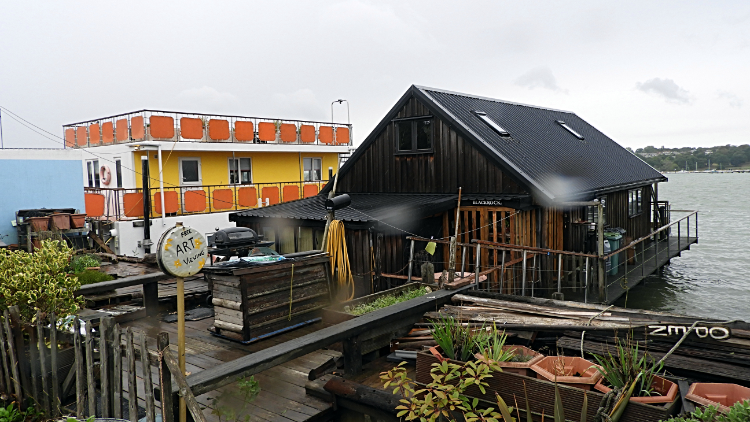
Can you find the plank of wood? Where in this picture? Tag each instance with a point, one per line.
(101, 243)
(183, 388)
(104, 286)
(117, 372)
(41, 345)
(90, 380)
(132, 385)
(148, 383)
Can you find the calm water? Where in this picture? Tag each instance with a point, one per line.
(712, 279)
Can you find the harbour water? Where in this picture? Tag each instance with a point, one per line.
(712, 279)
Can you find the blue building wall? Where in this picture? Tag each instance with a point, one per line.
(26, 184)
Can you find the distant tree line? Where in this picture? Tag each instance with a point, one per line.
(722, 157)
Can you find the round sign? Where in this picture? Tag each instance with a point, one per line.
(181, 251)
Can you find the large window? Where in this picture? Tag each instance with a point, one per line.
(414, 135)
(93, 173)
(635, 202)
(313, 169)
(592, 214)
(240, 171)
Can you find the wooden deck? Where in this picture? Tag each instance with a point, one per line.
(282, 397)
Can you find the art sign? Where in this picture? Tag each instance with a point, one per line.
(181, 251)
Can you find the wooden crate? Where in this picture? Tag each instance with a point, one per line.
(255, 301)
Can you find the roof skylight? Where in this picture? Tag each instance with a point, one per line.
(570, 129)
(489, 122)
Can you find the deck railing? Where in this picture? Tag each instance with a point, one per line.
(172, 126)
(530, 271)
(120, 204)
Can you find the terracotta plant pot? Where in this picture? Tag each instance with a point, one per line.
(77, 221)
(38, 224)
(572, 371)
(60, 221)
(521, 368)
(667, 391)
(720, 395)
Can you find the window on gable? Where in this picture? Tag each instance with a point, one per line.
(635, 202)
(414, 135)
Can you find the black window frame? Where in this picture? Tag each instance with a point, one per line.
(592, 215)
(414, 122)
(635, 202)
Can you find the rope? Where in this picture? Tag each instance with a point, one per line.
(291, 281)
(336, 248)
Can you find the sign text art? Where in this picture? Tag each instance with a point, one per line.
(182, 251)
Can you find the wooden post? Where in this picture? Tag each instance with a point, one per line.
(181, 340)
(54, 366)
(151, 298)
(502, 273)
(523, 274)
(132, 386)
(586, 283)
(34, 363)
(533, 274)
(44, 392)
(80, 371)
(105, 327)
(13, 360)
(463, 261)
(452, 256)
(23, 363)
(91, 382)
(7, 387)
(117, 372)
(165, 380)
(352, 356)
(477, 266)
(678, 235)
(600, 251)
(559, 273)
(147, 381)
(185, 392)
(411, 261)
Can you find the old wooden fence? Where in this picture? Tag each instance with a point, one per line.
(81, 368)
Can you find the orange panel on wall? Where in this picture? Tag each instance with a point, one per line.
(162, 127)
(70, 137)
(190, 128)
(223, 199)
(81, 136)
(325, 134)
(94, 204)
(94, 135)
(170, 199)
(288, 132)
(307, 134)
(121, 126)
(195, 200)
(218, 129)
(137, 127)
(291, 193)
(271, 193)
(132, 204)
(342, 135)
(309, 190)
(243, 131)
(108, 133)
(266, 131)
(247, 196)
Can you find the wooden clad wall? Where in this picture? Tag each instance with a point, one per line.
(453, 163)
(617, 213)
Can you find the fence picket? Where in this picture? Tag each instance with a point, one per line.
(7, 386)
(117, 372)
(34, 363)
(23, 362)
(105, 327)
(165, 379)
(44, 392)
(12, 353)
(90, 380)
(132, 386)
(53, 365)
(147, 381)
(80, 372)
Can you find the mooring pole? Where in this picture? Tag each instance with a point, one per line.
(523, 275)
(411, 261)
(454, 239)
(600, 250)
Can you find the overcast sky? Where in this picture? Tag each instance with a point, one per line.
(644, 73)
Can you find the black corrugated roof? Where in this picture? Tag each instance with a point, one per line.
(539, 150)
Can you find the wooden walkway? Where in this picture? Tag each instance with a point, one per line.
(282, 397)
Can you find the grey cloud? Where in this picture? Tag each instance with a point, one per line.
(734, 101)
(541, 77)
(667, 89)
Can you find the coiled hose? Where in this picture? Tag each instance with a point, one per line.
(336, 248)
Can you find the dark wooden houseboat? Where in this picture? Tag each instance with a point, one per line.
(531, 177)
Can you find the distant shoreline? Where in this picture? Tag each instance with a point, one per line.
(707, 171)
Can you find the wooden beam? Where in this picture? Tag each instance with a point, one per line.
(106, 286)
(229, 372)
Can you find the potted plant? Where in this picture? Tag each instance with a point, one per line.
(567, 370)
(38, 224)
(720, 395)
(77, 221)
(60, 221)
(514, 359)
(623, 368)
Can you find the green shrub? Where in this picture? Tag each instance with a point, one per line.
(93, 276)
(39, 281)
(740, 412)
(79, 263)
(387, 300)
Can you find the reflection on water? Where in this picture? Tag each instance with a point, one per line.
(711, 279)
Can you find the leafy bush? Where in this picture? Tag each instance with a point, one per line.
(39, 281)
(93, 276)
(740, 412)
(79, 263)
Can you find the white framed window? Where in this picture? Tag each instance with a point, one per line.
(240, 171)
(312, 169)
(93, 173)
(190, 171)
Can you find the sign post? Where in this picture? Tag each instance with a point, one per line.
(181, 252)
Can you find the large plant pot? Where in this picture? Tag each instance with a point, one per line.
(521, 368)
(38, 224)
(60, 221)
(77, 221)
(572, 371)
(721, 395)
(667, 390)
(338, 313)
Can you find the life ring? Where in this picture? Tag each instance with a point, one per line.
(105, 174)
